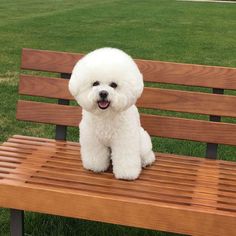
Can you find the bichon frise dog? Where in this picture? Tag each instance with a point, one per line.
(106, 83)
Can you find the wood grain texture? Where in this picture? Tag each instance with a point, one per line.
(153, 71)
(51, 61)
(111, 210)
(178, 199)
(169, 127)
(48, 113)
(190, 102)
(156, 98)
(186, 129)
(188, 74)
(44, 87)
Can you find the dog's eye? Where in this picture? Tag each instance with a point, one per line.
(96, 83)
(113, 85)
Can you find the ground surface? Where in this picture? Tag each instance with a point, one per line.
(163, 30)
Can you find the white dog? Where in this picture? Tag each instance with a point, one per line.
(106, 84)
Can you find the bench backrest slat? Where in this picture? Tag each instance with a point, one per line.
(43, 60)
(171, 127)
(153, 71)
(49, 113)
(44, 87)
(156, 98)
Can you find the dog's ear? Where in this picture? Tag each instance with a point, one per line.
(73, 83)
(139, 85)
(142, 83)
(72, 86)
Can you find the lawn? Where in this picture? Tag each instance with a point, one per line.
(203, 33)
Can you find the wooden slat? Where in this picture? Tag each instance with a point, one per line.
(116, 210)
(188, 74)
(165, 99)
(44, 87)
(57, 145)
(48, 113)
(46, 140)
(186, 129)
(153, 71)
(196, 130)
(51, 61)
(191, 102)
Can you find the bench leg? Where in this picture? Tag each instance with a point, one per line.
(17, 222)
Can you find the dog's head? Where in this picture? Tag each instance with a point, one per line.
(104, 80)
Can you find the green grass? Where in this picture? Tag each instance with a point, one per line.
(188, 32)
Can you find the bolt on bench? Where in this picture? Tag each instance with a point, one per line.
(181, 194)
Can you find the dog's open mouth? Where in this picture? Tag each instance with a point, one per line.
(103, 104)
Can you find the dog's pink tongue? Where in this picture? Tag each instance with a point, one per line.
(103, 104)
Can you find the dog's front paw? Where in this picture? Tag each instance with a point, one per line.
(127, 173)
(148, 159)
(96, 166)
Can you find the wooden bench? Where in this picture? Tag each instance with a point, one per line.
(181, 194)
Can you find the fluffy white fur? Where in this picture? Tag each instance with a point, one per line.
(115, 132)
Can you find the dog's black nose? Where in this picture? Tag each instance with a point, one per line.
(103, 94)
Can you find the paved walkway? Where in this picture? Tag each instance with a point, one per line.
(207, 1)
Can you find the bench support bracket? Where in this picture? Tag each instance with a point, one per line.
(211, 150)
(61, 130)
(17, 222)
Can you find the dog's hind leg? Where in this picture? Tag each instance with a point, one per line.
(147, 155)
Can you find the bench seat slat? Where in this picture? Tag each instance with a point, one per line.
(153, 71)
(169, 127)
(46, 140)
(159, 170)
(163, 217)
(162, 196)
(40, 147)
(156, 98)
